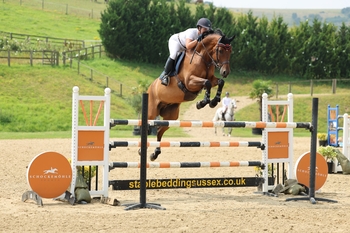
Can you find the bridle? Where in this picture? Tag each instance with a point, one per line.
(214, 62)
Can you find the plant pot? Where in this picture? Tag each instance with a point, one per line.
(330, 167)
(136, 130)
(270, 182)
(152, 130)
(322, 142)
(256, 131)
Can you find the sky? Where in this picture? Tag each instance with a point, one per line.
(282, 4)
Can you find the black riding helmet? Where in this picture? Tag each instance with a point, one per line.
(204, 22)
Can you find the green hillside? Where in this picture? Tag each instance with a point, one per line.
(35, 102)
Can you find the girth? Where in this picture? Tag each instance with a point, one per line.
(189, 96)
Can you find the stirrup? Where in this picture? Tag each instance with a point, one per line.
(165, 80)
(223, 117)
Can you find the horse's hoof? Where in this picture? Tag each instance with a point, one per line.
(153, 157)
(213, 104)
(198, 105)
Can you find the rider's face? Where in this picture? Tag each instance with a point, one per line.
(201, 30)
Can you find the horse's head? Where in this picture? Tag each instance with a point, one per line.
(231, 108)
(219, 49)
(223, 55)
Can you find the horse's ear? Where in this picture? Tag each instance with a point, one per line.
(226, 40)
(231, 39)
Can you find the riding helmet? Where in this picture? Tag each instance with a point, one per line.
(227, 93)
(204, 22)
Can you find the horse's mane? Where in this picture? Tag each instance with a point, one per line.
(219, 32)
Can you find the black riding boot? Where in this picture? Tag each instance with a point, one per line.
(169, 66)
(223, 116)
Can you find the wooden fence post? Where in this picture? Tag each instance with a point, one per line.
(57, 58)
(64, 58)
(8, 57)
(31, 58)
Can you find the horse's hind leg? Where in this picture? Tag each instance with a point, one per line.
(157, 151)
(169, 112)
(155, 154)
(217, 97)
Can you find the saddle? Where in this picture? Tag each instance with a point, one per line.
(178, 62)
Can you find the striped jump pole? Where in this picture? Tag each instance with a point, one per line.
(115, 144)
(187, 164)
(210, 124)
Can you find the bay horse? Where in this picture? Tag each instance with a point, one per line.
(195, 73)
(229, 116)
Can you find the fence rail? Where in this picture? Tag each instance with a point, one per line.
(44, 57)
(100, 78)
(49, 57)
(52, 42)
(68, 9)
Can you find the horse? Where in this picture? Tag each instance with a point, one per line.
(229, 116)
(51, 171)
(194, 73)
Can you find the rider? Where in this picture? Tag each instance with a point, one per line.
(180, 42)
(226, 101)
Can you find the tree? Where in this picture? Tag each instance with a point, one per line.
(123, 30)
(136, 96)
(246, 51)
(343, 50)
(259, 88)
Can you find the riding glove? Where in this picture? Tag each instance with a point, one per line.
(200, 37)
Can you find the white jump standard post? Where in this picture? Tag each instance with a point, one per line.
(278, 141)
(90, 143)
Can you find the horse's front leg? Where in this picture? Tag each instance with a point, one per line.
(229, 131)
(217, 97)
(206, 100)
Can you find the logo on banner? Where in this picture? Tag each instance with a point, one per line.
(90, 145)
(302, 170)
(278, 144)
(49, 174)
